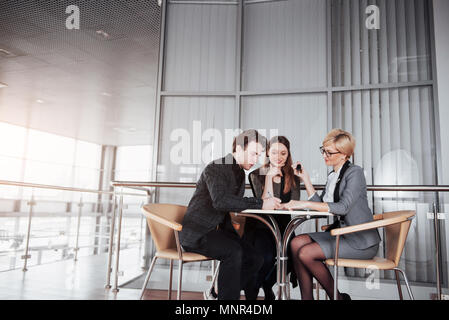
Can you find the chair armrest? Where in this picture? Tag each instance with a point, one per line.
(171, 224)
(376, 217)
(368, 226)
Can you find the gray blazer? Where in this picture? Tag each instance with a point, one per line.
(353, 208)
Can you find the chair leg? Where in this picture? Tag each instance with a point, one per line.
(398, 282)
(213, 283)
(335, 282)
(170, 279)
(214, 278)
(337, 244)
(180, 279)
(406, 283)
(147, 278)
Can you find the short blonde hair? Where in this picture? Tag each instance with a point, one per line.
(343, 140)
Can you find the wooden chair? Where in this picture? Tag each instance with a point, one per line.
(397, 225)
(164, 221)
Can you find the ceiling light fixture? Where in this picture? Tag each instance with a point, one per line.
(7, 54)
(40, 101)
(125, 130)
(103, 34)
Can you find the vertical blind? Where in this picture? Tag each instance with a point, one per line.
(274, 54)
(393, 124)
(301, 118)
(380, 89)
(200, 47)
(193, 134)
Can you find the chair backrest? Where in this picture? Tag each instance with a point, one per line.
(396, 234)
(163, 233)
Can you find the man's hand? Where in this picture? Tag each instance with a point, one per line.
(271, 204)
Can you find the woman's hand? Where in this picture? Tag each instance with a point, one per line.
(295, 204)
(274, 171)
(302, 174)
(271, 204)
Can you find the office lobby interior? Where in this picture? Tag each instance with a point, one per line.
(109, 106)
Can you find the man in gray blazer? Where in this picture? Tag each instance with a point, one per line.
(207, 228)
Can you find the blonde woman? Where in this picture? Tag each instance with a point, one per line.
(346, 197)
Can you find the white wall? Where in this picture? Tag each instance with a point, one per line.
(441, 12)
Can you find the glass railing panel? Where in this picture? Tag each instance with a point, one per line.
(418, 259)
(62, 229)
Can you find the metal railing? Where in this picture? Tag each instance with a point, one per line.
(32, 203)
(117, 200)
(153, 184)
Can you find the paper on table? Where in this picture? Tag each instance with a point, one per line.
(293, 212)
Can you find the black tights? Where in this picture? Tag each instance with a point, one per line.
(308, 261)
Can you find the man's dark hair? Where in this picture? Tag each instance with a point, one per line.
(244, 138)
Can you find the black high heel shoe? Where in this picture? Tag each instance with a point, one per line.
(269, 294)
(345, 296)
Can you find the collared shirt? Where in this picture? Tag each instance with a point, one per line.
(331, 183)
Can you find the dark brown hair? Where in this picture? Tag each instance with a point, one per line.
(287, 169)
(244, 138)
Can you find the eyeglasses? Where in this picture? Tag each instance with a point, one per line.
(328, 154)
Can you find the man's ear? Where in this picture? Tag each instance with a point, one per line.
(238, 149)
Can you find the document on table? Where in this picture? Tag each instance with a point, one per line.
(288, 212)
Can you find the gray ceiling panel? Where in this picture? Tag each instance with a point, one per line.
(110, 63)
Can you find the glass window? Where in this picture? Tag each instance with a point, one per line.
(51, 148)
(12, 141)
(399, 51)
(133, 163)
(200, 47)
(301, 118)
(284, 45)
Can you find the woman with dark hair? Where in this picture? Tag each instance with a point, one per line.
(276, 178)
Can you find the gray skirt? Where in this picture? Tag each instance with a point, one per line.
(345, 251)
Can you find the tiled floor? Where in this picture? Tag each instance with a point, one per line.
(81, 280)
(86, 279)
(67, 280)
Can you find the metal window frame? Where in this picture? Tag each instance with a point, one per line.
(329, 90)
(238, 93)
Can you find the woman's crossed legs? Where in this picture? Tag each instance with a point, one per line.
(308, 261)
